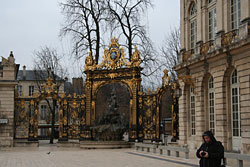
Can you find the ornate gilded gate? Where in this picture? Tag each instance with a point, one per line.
(114, 68)
(77, 113)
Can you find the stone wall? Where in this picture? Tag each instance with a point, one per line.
(7, 112)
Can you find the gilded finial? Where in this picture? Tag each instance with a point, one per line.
(114, 40)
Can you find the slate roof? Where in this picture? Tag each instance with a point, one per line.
(31, 75)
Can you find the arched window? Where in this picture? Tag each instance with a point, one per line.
(235, 14)
(192, 111)
(212, 24)
(211, 105)
(235, 104)
(193, 26)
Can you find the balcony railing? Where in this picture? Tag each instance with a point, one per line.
(228, 38)
(222, 41)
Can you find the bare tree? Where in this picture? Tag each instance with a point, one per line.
(124, 17)
(47, 63)
(83, 22)
(90, 21)
(170, 50)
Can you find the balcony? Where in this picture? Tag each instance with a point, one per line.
(223, 42)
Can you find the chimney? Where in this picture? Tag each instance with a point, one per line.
(24, 72)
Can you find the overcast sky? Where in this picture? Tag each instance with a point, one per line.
(27, 25)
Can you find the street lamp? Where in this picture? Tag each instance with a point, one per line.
(177, 91)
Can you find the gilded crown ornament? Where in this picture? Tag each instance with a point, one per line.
(113, 58)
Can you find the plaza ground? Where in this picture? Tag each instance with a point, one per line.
(51, 156)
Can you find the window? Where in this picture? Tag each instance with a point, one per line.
(235, 14)
(19, 90)
(211, 105)
(43, 112)
(212, 25)
(31, 90)
(235, 102)
(193, 26)
(192, 111)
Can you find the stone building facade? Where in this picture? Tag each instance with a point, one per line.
(8, 74)
(214, 69)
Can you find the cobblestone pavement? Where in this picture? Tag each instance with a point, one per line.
(68, 157)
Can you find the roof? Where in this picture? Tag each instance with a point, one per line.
(32, 75)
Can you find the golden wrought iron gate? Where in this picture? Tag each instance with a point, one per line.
(78, 112)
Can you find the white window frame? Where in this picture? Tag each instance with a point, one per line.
(235, 104)
(235, 13)
(211, 105)
(192, 112)
(212, 20)
(31, 90)
(193, 26)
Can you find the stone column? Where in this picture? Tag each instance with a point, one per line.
(221, 115)
(183, 109)
(220, 16)
(200, 120)
(200, 20)
(226, 15)
(182, 24)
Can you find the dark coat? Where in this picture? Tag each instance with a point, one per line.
(215, 151)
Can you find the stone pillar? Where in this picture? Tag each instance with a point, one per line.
(204, 30)
(199, 107)
(182, 24)
(183, 116)
(220, 16)
(200, 21)
(7, 99)
(220, 110)
(226, 15)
